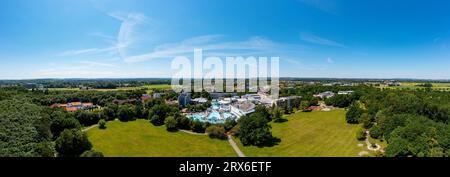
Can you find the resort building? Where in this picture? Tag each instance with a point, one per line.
(327, 94)
(74, 106)
(287, 101)
(242, 109)
(158, 95)
(184, 99)
(218, 95)
(345, 92)
(145, 98)
(199, 100)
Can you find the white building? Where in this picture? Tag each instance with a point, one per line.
(345, 92)
(327, 94)
(242, 109)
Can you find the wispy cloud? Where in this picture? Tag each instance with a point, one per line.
(95, 64)
(320, 41)
(89, 51)
(211, 43)
(124, 39)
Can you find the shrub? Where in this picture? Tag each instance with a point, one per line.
(171, 124)
(215, 131)
(91, 153)
(360, 134)
(156, 120)
(102, 124)
(376, 132)
(198, 127)
(183, 122)
(229, 124)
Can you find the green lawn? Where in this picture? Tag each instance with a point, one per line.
(141, 139)
(313, 134)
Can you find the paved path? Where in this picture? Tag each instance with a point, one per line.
(369, 145)
(193, 133)
(88, 128)
(235, 147)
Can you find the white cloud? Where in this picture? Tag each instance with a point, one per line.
(319, 40)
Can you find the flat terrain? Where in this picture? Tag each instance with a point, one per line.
(141, 139)
(313, 134)
(150, 87)
(414, 86)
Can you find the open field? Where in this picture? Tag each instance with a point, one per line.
(141, 139)
(313, 134)
(150, 87)
(413, 86)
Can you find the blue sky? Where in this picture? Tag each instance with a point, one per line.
(136, 38)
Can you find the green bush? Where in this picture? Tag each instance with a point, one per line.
(361, 134)
(376, 132)
(215, 131)
(102, 124)
(198, 127)
(171, 124)
(91, 153)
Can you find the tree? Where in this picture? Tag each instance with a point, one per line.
(158, 113)
(87, 118)
(375, 132)
(45, 149)
(110, 112)
(263, 111)
(171, 124)
(156, 120)
(102, 124)
(354, 113)
(91, 153)
(183, 122)
(198, 127)
(277, 114)
(126, 113)
(62, 121)
(255, 130)
(229, 124)
(140, 112)
(217, 132)
(72, 143)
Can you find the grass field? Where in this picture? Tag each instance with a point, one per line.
(313, 134)
(150, 87)
(141, 139)
(413, 86)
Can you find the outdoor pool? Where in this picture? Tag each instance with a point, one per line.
(213, 117)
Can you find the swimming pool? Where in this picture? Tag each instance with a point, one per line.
(213, 117)
(215, 105)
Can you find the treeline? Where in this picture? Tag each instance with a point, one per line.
(31, 130)
(414, 123)
(90, 83)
